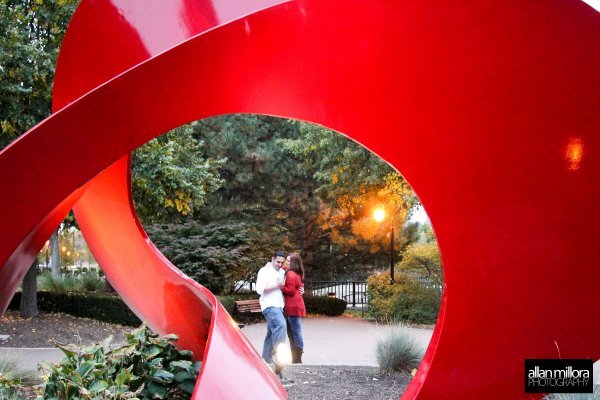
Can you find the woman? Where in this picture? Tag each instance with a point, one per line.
(294, 309)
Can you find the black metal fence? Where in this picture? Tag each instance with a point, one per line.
(353, 292)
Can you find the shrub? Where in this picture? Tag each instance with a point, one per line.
(9, 389)
(102, 307)
(46, 281)
(324, 305)
(146, 366)
(12, 377)
(397, 350)
(405, 300)
(89, 305)
(423, 260)
(87, 281)
(90, 282)
(228, 302)
(216, 255)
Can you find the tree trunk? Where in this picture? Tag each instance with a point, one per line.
(29, 294)
(55, 255)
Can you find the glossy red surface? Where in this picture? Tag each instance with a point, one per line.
(488, 109)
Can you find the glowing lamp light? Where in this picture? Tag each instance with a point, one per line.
(379, 214)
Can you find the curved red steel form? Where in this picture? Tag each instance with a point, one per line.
(489, 110)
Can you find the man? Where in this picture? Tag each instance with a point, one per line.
(268, 285)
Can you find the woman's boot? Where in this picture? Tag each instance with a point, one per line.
(294, 353)
(297, 355)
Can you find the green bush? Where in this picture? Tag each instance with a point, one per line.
(216, 255)
(102, 307)
(110, 308)
(145, 367)
(13, 377)
(324, 305)
(86, 281)
(405, 300)
(90, 282)
(9, 388)
(397, 350)
(228, 302)
(48, 282)
(99, 306)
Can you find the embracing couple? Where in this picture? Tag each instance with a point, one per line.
(280, 286)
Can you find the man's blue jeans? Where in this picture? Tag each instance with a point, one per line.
(295, 332)
(275, 332)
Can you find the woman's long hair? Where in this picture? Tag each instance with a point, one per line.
(296, 265)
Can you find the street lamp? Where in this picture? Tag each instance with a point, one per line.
(379, 215)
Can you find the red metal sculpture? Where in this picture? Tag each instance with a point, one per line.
(489, 109)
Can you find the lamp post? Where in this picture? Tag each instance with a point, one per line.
(379, 215)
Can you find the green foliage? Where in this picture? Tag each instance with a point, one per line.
(13, 376)
(103, 307)
(423, 260)
(30, 36)
(65, 283)
(258, 174)
(324, 305)
(214, 255)
(91, 282)
(353, 182)
(145, 367)
(406, 300)
(87, 281)
(228, 302)
(397, 350)
(9, 388)
(278, 174)
(171, 178)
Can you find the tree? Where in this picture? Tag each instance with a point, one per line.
(30, 35)
(171, 176)
(217, 255)
(423, 260)
(55, 255)
(29, 292)
(352, 182)
(289, 185)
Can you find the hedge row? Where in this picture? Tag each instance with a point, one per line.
(109, 308)
(102, 307)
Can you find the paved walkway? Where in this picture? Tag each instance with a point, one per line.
(336, 341)
(328, 341)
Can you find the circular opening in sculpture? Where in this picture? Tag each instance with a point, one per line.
(265, 183)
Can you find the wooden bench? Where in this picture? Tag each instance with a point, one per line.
(245, 309)
(248, 306)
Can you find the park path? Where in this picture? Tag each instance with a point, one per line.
(337, 340)
(328, 341)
